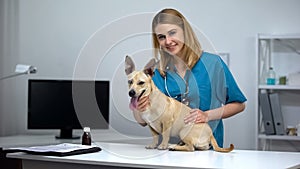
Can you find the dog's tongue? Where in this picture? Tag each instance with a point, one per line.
(133, 103)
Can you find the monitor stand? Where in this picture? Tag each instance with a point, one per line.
(67, 133)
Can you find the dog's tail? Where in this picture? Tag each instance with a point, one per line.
(216, 146)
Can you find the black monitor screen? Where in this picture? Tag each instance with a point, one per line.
(67, 105)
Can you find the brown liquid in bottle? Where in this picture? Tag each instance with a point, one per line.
(86, 136)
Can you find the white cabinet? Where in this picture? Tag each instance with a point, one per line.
(282, 52)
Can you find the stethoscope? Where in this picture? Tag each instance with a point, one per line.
(184, 96)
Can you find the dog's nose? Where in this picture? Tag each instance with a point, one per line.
(131, 93)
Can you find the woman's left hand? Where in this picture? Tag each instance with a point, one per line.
(196, 116)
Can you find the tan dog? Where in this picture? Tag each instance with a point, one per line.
(165, 115)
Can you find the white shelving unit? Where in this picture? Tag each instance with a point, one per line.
(282, 52)
(279, 87)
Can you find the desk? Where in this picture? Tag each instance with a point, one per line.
(121, 155)
(109, 135)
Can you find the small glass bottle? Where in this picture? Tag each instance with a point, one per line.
(86, 136)
(271, 77)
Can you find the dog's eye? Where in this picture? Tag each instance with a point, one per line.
(130, 82)
(141, 83)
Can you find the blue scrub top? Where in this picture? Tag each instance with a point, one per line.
(211, 85)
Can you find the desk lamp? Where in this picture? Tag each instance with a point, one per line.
(21, 70)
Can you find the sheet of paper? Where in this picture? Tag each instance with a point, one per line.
(64, 147)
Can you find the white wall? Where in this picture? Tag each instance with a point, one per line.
(64, 38)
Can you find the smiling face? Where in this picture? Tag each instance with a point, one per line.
(171, 38)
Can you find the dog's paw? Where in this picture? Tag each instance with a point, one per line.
(163, 147)
(151, 146)
(171, 147)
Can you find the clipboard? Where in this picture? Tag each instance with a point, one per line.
(64, 149)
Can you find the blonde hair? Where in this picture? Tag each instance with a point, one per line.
(191, 48)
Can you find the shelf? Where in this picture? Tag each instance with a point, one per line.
(280, 36)
(279, 87)
(280, 51)
(279, 137)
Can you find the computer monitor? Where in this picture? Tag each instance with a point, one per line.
(68, 105)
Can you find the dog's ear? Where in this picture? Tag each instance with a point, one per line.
(149, 68)
(129, 65)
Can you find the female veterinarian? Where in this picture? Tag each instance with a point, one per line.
(187, 73)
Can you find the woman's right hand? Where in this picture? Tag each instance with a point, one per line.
(143, 103)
